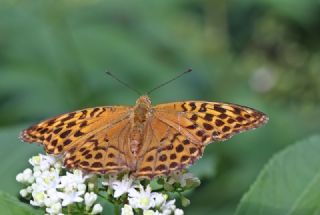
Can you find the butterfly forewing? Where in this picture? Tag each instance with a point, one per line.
(210, 121)
(82, 136)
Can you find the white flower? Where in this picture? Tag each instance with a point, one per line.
(70, 197)
(54, 209)
(35, 160)
(178, 211)
(52, 197)
(89, 199)
(127, 210)
(37, 173)
(142, 199)
(44, 166)
(68, 180)
(159, 198)
(73, 187)
(148, 201)
(148, 212)
(71, 181)
(82, 187)
(97, 208)
(38, 198)
(50, 190)
(48, 179)
(42, 162)
(121, 187)
(168, 207)
(36, 187)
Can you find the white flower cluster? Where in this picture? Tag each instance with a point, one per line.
(49, 186)
(140, 198)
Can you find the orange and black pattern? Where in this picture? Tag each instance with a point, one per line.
(171, 136)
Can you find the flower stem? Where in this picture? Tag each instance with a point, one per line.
(69, 209)
(116, 209)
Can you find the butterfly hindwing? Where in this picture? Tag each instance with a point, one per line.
(104, 151)
(167, 150)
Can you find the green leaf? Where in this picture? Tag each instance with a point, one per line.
(289, 184)
(10, 205)
(204, 167)
(15, 155)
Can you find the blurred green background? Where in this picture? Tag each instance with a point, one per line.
(263, 54)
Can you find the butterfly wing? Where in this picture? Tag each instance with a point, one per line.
(178, 132)
(104, 151)
(92, 139)
(211, 121)
(166, 149)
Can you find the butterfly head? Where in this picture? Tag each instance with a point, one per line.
(142, 108)
(143, 102)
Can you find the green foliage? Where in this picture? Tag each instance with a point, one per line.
(288, 184)
(10, 205)
(14, 157)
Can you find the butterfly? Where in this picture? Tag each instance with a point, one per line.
(144, 140)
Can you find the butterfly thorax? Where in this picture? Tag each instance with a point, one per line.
(140, 114)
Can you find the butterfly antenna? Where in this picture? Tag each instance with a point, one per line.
(169, 81)
(123, 83)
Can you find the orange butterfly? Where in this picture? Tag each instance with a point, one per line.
(143, 140)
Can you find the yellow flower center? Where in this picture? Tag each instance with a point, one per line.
(144, 201)
(39, 196)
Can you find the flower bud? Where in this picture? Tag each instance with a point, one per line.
(97, 208)
(27, 172)
(127, 210)
(23, 193)
(91, 186)
(20, 178)
(89, 199)
(184, 201)
(29, 189)
(178, 212)
(30, 180)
